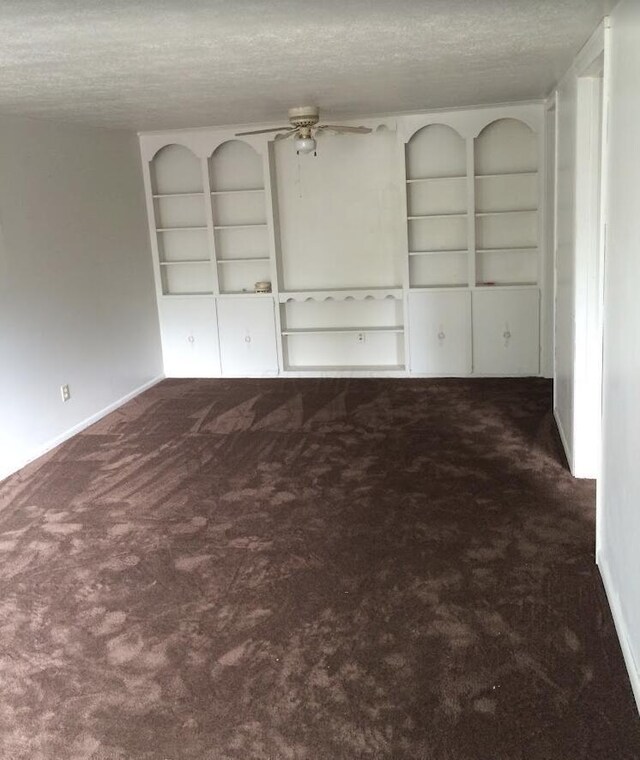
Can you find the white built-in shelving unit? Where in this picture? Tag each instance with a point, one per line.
(415, 250)
(358, 329)
(474, 263)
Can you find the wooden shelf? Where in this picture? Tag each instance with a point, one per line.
(196, 194)
(493, 285)
(507, 249)
(238, 226)
(509, 211)
(243, 261)
(344, 330)
(441, 252)
(186, 261)
(209, 295)
(179, 229)
(445, 286)
(436, 179)
(350, 368)
(243, 294)
(507, 174)
(356, 294)
(195, 294)
(238, 192)
(455, 215)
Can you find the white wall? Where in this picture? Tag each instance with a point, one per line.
(77, 303)
(566, 106)
(619, 492)
(341, 215)
(578, 276)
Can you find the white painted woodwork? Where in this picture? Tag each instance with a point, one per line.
(189, 331)
(341, 294)
(440, 332)
(506, 332)
(348, 332)
(176, 170)
(247, 331)
(235, 166)
(579, 272)
(425, 203)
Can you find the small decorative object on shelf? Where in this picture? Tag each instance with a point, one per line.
(263, 287)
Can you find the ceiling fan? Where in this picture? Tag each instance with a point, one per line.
(303, 127)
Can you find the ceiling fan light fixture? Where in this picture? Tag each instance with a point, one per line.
(305, 144)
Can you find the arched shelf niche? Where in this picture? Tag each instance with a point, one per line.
(436, 166)
(506, 203)
(506, 146)
(175, 170)
(436, 151)
(239, 217)
(181, 224)
(234, 166)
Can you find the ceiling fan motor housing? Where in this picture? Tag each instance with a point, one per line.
(305, 116)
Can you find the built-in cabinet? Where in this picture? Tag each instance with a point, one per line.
(415, 250)
(440, 338)
(506, 332)
(189, 328)
(247, 332)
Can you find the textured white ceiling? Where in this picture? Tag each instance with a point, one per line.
(159, 64)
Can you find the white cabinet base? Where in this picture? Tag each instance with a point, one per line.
(506, 332)
(247, 337)
(189, 337)
(440, 333)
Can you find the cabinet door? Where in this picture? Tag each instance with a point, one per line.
(189, 337)
(440, 333)
(247, 336)
(506, 332)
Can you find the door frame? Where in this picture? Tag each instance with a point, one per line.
(590, 234)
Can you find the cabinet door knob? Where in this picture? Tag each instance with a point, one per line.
(247, 339)
(441, 336)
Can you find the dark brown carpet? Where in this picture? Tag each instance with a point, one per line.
(313, 569)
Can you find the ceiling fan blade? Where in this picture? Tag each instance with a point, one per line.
(262, 131)
(284, 136)
(338, 128)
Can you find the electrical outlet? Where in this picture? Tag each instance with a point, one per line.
(360, 338)
(65, 392)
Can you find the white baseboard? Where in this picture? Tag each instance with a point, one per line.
(567, 451)
(53, 442)
(621, 627)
